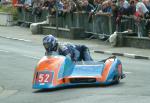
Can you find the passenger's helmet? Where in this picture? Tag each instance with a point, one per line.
(50, 43)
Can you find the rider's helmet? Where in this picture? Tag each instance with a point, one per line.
(50, 43)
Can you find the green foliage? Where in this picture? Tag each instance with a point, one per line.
(9, 9)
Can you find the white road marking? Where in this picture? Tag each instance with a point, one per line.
(108, 52)
(6, 93)
(16, 39)
(92, 51)
(31, 57)
(129, 55)
(127, 72)
(4, 51)
(1, 89)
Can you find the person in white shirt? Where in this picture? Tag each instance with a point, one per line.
(141, 9)
(141, 12)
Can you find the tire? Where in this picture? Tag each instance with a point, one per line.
(116, 79)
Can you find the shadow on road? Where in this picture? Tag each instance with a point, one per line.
(79, 86)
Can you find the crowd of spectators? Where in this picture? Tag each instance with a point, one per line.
(110, 7)
(5, 2)
(121, 7)
(116, 8)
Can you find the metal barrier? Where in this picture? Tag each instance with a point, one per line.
(137, 27)
(82, 19)
(96, 24)
(103, 25)
(67, 20)
(127, 23)
(99, 25)
(21, 14)
(26, 16)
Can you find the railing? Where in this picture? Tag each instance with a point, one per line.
(129, 23)
(99, 25)
(26, 16)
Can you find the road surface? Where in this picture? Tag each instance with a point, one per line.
(18, 59)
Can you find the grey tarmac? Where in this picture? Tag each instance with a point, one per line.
(18, 59)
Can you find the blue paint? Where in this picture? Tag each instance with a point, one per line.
(113, 70)
(66, 68)
(87, 70)
(69, 69)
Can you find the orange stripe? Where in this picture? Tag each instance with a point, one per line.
(66, 80)
(51, 64)
(108, 64)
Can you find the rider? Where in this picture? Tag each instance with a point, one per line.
(76, 52)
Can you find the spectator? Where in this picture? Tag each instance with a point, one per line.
(50, 5)
(141, 12)
(91, 2)
(132, 8)
(147, 24)
(147, 16)
(123, 7)
(114, 10)
(19, 5)
(106, 7)
(78, 4)
(59, 5)
(66, 7)
(115, 13)
(37, 7)
(109, 8)
(73, 6)
(147, 4)
(97, 5)
(5, 2)
(87, 7)
(23, 4)
(27, 5)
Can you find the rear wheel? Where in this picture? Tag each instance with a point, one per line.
(116, 79)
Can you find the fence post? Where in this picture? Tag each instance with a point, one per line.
(77, 19)
(56, 4)
(93, 22)
(24, 15)
(110, 26)
(120, 39)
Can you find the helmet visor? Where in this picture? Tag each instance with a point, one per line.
(47, 45)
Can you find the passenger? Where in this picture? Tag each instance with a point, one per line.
(75, 52)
